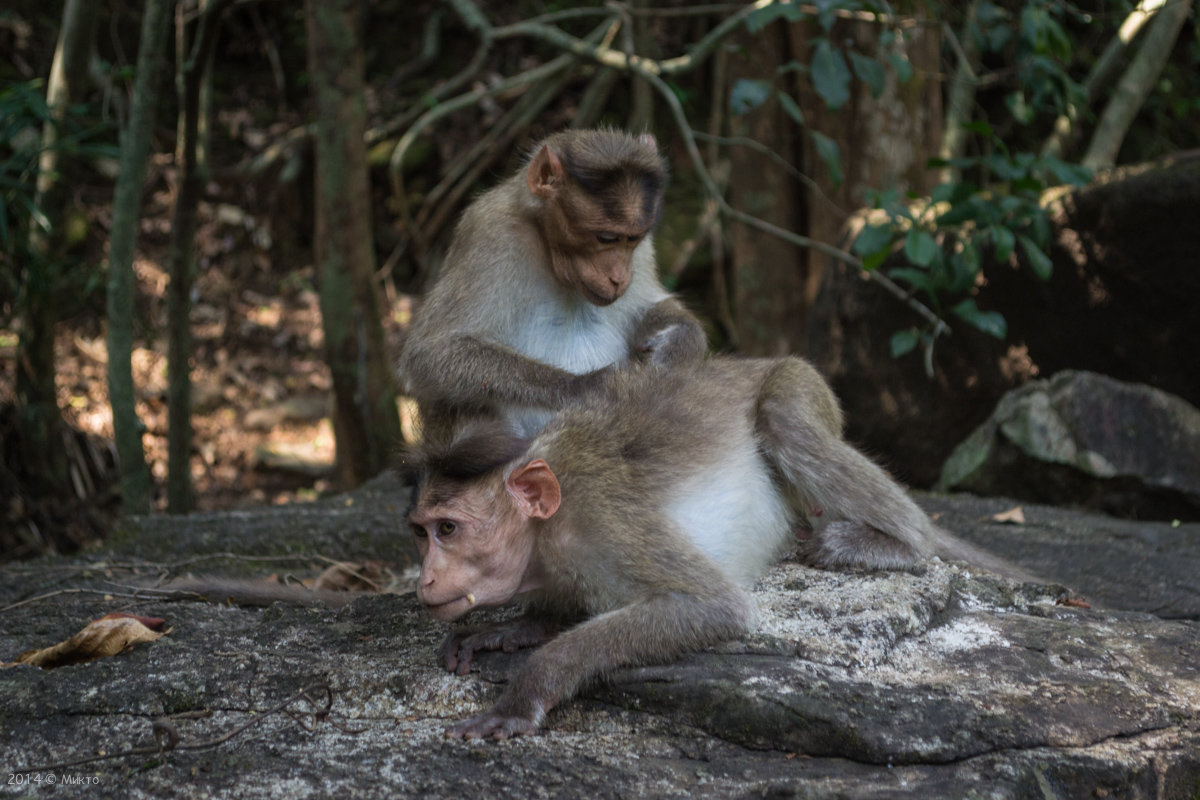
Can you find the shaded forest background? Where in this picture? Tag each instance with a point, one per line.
(302, 166)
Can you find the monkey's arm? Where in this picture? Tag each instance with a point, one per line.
(465, 370)
(669, 335)
(655, 629)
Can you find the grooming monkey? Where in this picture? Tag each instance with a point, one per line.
(644, 513)
(549, 284)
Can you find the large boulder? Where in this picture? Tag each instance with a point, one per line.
(943, 683)
(1086, 439)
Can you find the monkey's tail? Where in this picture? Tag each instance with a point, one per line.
(242, 592)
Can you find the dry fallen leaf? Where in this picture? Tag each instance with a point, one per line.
(107, 636)
(1014, 516)
(368, 576)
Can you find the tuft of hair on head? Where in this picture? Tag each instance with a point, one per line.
(599, 155)
(476, 450)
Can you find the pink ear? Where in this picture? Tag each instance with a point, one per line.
(536, 489)
(545, 173)
(648, 140)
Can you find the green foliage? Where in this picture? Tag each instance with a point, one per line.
(989, 207)
(832, 69)
(830, 75)
(946, 235)
(23, 113)
(748, 94)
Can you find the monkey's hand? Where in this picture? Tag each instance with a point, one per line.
(460, 647)
(500, 722)
(668, 336)
(657, 350)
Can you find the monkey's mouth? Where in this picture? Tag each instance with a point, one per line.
(450, 609)
(599, 299)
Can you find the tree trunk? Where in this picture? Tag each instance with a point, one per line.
(883, 141)
(127, 201)
(766, 274)
(366, 423)
(39, 419)
(191, 74)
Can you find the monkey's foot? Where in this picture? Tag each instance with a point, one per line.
(846, 544)
(493, 724)
(459, 648)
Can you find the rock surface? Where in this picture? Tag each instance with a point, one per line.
(1090, 440)
(945, 683)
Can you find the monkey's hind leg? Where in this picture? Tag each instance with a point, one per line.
(869, 519)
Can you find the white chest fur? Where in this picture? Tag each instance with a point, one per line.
(579, 339)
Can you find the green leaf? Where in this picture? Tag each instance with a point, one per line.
(872, 239)
(747, 95)
(904, 342)
(990, 322)
(901, 66)
(827, 12)
(1004, 241)
(959, 213)
(764, 16)
(965, 267)
(920, 247)
(870, 72)
(916, 278)
(791, 108)
(831, 154)
(1064, 172)
(1039, 262)
(978, 127)
(873, 260)
(830, 75)
(942, 192)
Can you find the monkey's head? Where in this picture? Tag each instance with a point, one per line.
(601, 195)
(474, 521)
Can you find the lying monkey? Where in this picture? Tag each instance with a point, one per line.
(645, 512)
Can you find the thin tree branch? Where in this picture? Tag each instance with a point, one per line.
(938, 325)
(960, 95)
(1131, 91)
(1103, 72)
(652, 71)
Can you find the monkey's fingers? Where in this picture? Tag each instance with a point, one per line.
(493, 724)
(525, 632)
(451, 655)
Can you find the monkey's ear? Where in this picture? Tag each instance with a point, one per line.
(545, 173)
(648, 140)
(536, 489)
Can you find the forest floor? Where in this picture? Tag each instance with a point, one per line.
(260, 385)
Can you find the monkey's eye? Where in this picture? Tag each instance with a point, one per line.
(417, 531)
(607, 238)
(446, 528)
